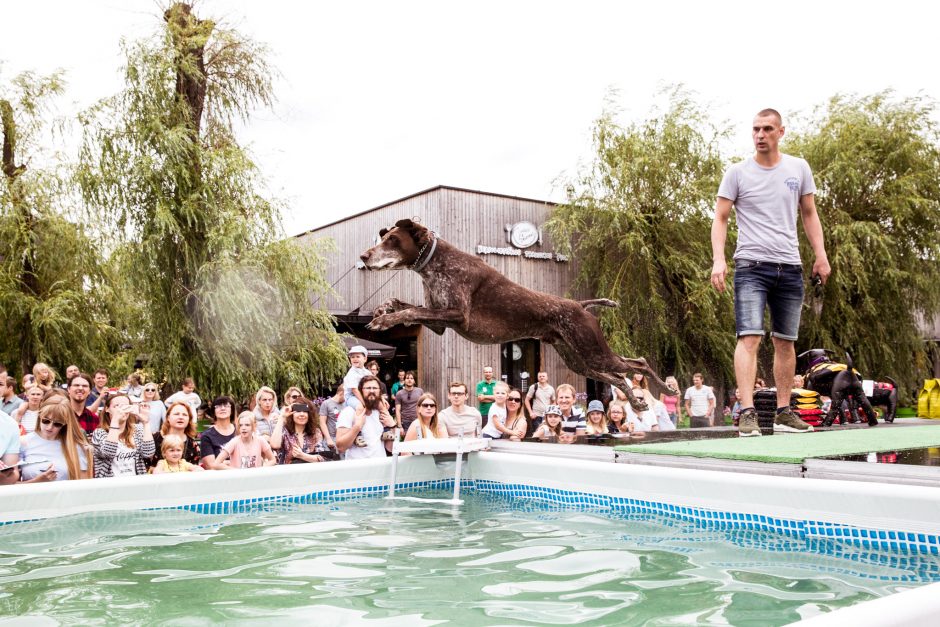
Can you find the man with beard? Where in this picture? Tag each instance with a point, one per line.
(359, 429)
(78, 391)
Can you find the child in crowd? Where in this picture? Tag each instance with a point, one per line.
(357, 360)
(596, 419)
(248, 450)
(172, 450)
(497, 412)
(551, 426)
(617, 417)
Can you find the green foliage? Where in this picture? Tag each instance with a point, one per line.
(876, 162)
(54, 298)
(226, 299)
(640, 219)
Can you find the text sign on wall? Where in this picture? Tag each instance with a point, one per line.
(521, 235)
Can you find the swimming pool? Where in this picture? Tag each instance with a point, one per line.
(632, 543)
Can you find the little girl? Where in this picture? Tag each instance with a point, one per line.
(497, 415)
(172, 451)
(551, 426)
(596, 419)
(247, 450)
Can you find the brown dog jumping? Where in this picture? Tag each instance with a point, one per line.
(458, 290)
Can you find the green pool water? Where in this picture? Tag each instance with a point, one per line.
(372, 561)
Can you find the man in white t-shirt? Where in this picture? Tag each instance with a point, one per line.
(700, 403)
(460, 418)
(359, 429)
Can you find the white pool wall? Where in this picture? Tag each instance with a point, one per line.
(914, 509)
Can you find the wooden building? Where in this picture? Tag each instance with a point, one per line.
(505, 231)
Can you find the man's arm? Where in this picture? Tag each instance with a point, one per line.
(814, 233)
(719, 236)
(528, 398)
(345, 436)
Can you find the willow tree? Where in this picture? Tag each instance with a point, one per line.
(876, 163)
(639, 219)
(227, 298)
(54, 297)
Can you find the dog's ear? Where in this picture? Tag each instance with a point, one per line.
(418, 232)
(382, 232)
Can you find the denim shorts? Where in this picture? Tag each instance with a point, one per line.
(760, 283)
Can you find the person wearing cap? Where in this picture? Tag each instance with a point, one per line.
(357, 370)
(596, 419)
(551, 425)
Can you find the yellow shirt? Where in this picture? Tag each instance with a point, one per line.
(183, 466)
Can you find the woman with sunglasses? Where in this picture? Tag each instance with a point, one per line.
(59, 444)
(291, 395)
(516, 423)
(151, 400)
(123, 440)
(426, 425)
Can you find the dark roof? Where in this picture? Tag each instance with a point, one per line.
(422, 192)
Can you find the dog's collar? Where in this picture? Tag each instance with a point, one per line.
(418, 264)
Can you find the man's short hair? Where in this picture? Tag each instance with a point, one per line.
(11, 382)
(368, 378)
(371, 363)
(102, 371)
(766, 112)
(81, 375)
(457, 384)
(699, 375)
(568, 387)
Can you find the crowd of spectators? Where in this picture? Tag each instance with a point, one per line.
(84, 428)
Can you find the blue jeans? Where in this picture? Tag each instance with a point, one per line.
(764, 283)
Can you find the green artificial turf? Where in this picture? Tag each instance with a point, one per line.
(794, 448)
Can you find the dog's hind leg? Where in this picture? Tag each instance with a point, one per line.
(869, 411)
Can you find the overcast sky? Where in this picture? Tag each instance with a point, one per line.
(378, 100)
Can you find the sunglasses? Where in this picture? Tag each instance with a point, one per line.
(57, 425)
(513, 399)
(431, 405)
(294, 396)
(150, 389)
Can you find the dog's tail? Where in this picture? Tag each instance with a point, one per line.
(598, 302)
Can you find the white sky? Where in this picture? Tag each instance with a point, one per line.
(378, 100)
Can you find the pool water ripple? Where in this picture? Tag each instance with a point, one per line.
(492, 561)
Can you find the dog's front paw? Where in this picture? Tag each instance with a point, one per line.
(382, 322)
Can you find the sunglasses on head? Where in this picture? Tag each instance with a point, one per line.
(49, 421)
(432, 405)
